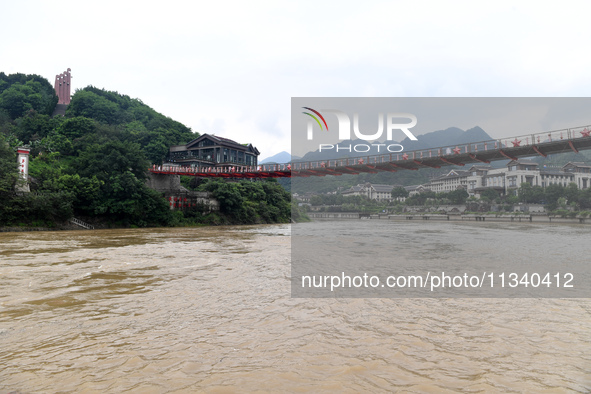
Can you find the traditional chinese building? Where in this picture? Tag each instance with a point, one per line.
(213, 151)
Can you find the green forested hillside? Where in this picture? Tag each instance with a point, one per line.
(20, 93)
(136, 121)
(91, 163)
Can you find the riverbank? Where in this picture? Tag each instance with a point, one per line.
(24, 229)
(214, 219)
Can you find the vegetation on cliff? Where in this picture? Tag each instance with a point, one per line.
(243, 202)
(93, 162)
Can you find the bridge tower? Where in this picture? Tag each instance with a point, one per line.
(23, 163)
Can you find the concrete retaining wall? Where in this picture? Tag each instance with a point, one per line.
(164, 183)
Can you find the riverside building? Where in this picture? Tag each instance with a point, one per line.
(214, 151)
(507, 179)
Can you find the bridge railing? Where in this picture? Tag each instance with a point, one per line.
(221, 170)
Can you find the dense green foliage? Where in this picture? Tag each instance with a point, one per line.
(243, 202)
(299, 213)
(340, 203)
(8, 168)
(399, 192)
(555, 196)
(139, 123)
(100, 175)
(20, 93)
(251, 202)
(458, 196)
(93, 163)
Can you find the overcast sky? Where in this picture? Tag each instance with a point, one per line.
(231, 68)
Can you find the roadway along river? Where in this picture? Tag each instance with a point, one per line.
(209, 309)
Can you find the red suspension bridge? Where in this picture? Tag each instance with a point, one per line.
(543, 144)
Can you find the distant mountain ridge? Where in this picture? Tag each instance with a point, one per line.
(447, 137)
(281, 157)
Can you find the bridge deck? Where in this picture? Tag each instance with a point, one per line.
(559, 141)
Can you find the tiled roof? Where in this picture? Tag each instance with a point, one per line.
(416, 187)
(560, 173)
(456, 174)
(577, 164)
(524, 162)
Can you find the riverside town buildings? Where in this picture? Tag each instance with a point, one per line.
(213, 151)
(505, 180)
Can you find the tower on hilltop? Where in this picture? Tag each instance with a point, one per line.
(62, 87)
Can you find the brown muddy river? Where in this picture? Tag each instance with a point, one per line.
(209, 309)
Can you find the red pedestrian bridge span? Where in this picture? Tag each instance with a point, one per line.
(543, 144)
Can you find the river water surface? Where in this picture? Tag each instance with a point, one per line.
(209, 309)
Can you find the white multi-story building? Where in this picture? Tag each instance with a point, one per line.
(416, 189)
(506, 180)
(372, 191)
(381, 192)
(449, 182)
(358, 190)
(577, 172)
(478, 178)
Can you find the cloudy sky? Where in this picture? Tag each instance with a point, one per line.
(231, 68)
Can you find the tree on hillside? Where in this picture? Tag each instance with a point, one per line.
(9, 167)
(458, 196)
(399, 192)
(530, 194)
(77, 127)
(251, 202)
(91, 105)
(551, 195)
(489, 195)
(117, 109)
(585, 199)
(571, 192)
(421, 198)
(20, 93)
(111, 157)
